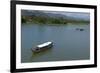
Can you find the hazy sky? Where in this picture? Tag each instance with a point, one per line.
(81, 15)
(72, 14)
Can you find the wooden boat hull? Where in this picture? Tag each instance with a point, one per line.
(38, 49)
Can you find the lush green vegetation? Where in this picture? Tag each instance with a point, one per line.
(45, 20)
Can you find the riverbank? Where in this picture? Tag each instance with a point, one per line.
(72, 23)
(50, 21)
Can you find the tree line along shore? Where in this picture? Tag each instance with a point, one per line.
(47, 20)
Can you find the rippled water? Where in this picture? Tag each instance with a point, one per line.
(69, 43)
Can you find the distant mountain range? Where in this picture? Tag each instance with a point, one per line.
(69, 16)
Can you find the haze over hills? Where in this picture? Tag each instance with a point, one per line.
(66, 16)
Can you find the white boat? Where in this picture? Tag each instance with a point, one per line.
(42, 47)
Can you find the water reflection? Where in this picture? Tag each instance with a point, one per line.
(37, 54)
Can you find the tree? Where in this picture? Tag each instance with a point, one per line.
(23, 20)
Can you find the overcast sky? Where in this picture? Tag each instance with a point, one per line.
(81, 15)
(72, 14)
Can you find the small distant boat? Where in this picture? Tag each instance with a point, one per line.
(81, 29)
(42, 47)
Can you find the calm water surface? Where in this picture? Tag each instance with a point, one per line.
(69, 43)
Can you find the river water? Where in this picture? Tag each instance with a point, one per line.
(69, 43)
